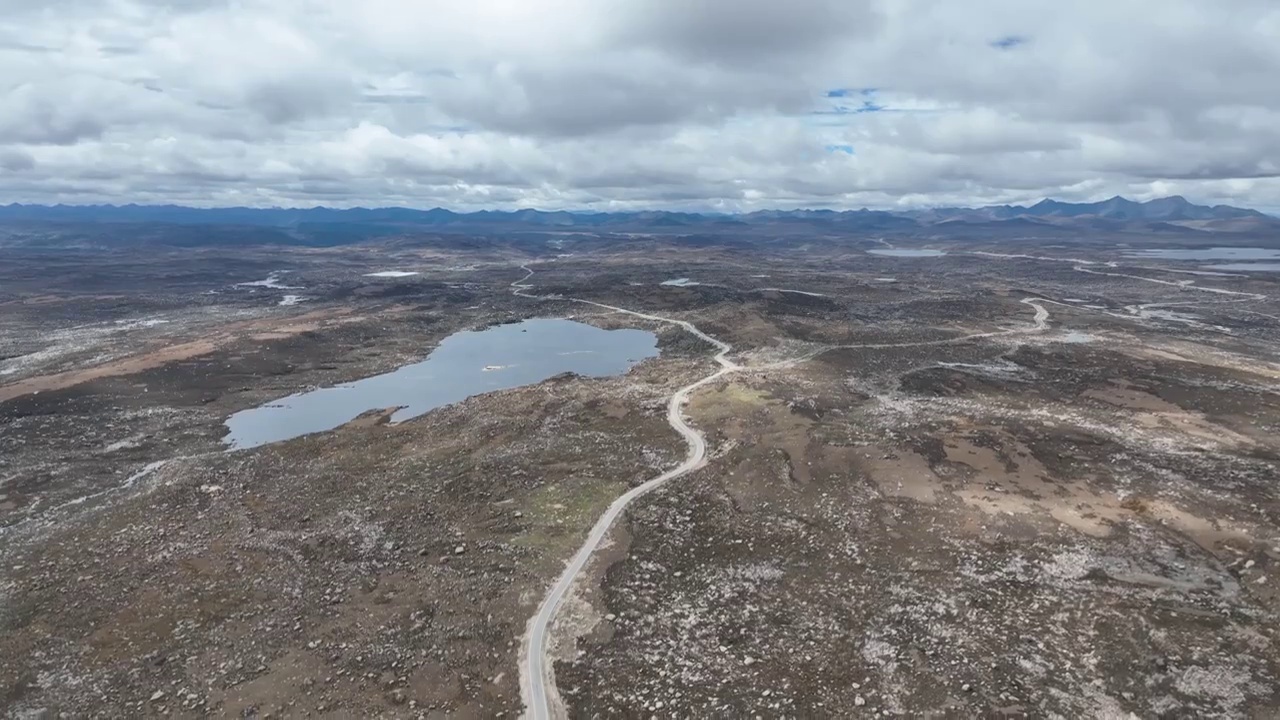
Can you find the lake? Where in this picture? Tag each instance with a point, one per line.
(1248, 267)
(464, 364)
(1213, 253)
(906, 252)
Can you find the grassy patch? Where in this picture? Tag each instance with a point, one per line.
(558, 516)
(730, 400)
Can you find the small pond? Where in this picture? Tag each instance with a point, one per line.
(464, 364)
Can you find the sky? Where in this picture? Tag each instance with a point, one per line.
(721, 105)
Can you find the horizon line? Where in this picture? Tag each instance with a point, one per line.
(1025, 204)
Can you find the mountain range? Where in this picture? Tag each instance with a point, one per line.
(1170, 214)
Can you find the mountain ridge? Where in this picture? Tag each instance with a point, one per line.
(1172, 213)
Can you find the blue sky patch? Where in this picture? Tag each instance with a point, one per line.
(867, 106)
(850, 92)
(846, 149)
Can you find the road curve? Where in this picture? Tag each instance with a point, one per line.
(541, 690)
(537, 686)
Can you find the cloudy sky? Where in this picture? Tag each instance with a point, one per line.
(694, 104)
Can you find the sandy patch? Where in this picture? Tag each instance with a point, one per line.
(1121, 394)
(1207, 533)
(1022, 486)
(1018, 484)
(904, 474)
(125, 366)
(1203, 355)
(1154, 413)
(258, 330)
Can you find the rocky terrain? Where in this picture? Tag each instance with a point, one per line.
(918, 500)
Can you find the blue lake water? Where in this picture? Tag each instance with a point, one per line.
(464, 364)
(906, 252)
(1213, 253)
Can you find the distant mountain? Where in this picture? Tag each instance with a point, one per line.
(1118, 208)
(331, 226)
(292, 217)
(1170, 214)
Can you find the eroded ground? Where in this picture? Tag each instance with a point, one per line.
(918, 500)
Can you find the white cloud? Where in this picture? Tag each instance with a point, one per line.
(637, 103)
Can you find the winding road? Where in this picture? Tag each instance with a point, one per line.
(537, 684)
